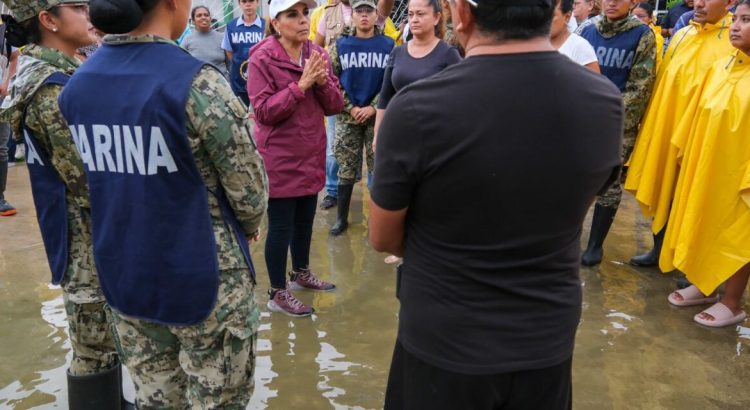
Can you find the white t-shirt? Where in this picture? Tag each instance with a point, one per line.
(578, 50)
(572, 25)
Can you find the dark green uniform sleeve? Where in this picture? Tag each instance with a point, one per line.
(44, 119)
(219, 122)
(639, 86)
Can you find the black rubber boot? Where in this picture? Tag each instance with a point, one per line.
(344, 199)
(650, 258)
(102, 390)
(600, 224)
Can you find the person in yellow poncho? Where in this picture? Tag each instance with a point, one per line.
(653, 166)
(645, 13)
(708, 236)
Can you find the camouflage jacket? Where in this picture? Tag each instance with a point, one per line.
(225, 154)
(44, 119)
(642, 73)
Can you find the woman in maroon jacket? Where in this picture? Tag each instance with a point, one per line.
(292, 87)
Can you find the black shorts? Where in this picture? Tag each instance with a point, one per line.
(414, 384)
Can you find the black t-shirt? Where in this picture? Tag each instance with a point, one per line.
(498, 159)
(403, 69)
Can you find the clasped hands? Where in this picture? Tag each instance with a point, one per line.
(314, 72)
(362, 114)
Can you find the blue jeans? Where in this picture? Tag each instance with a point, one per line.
(332, 167)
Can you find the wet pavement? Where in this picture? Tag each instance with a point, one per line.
(633, 351)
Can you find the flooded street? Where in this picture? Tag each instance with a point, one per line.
(633, 351)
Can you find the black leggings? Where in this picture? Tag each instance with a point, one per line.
(290, 223)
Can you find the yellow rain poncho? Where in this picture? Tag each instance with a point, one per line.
(659, 44)
(653, 167)
(708, 236)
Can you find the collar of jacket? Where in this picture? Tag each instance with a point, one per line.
(278, 55)
(52, 56)
(612, 28)
(722, 26)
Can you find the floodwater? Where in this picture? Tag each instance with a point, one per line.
(633, 351)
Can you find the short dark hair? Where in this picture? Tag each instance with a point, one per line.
(195, 10)
(646, 6)
(566, 6)
(514, 22)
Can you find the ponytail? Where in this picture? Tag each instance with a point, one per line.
(19, 34)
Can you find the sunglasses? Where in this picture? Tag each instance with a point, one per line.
(79, 7)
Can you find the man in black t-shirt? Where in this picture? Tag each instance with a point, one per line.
(483, 176)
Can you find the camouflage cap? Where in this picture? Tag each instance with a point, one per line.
(26, 9)
(357, 3)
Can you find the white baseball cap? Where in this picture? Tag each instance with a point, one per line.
(277, 6)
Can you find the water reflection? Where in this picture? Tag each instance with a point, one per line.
(45, 388)
(633, 350)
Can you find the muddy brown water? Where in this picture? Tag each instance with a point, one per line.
(633, 351)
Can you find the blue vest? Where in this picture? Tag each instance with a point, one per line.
(615, 54)
(363, 63)
(48, 190)
(154, 243)
(242, 38)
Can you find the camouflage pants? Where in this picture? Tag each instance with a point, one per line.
(350, 141)
(205, 366)
(89, 325)
(613, 196)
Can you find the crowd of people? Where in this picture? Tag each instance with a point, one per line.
(148, 203)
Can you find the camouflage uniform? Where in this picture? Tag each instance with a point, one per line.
(209, 365)
(90, 331)
(351, 137)
(635, 98)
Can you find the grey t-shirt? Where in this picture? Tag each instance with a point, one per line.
(207, 47)
(403, 69)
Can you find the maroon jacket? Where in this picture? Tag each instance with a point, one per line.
(289, 127)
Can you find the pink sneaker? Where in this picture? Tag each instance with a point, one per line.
(283, 301)
(304, 279)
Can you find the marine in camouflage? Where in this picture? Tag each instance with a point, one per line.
(635, 98)
(90, 332)
(209, 365)
(351, 138)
